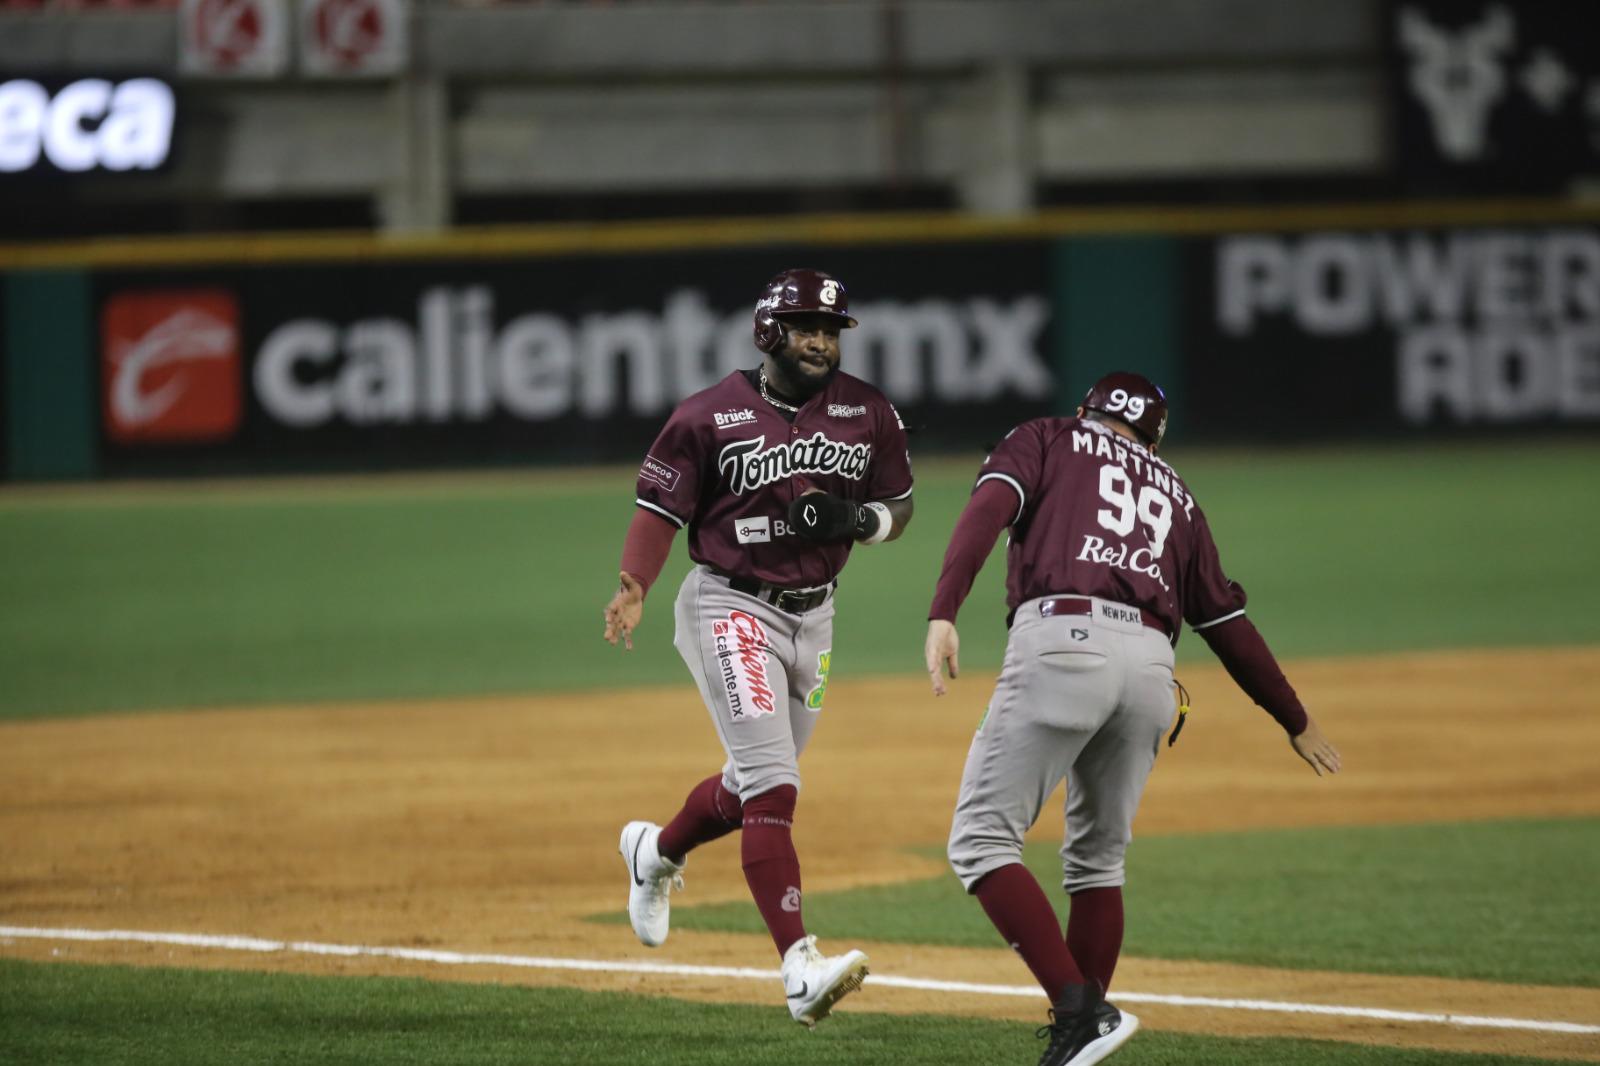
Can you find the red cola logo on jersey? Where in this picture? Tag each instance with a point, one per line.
(741, 648)
(747, 464)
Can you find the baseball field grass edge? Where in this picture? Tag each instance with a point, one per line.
(123, 1016)
(219, 598)
(1505, 901)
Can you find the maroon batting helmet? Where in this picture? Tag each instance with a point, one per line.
(1132, 399)
(798, 292)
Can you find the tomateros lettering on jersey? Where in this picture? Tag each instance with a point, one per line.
(740, 644)
(748, 464)
(738, 484)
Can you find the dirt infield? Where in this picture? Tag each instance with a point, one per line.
(489, 825)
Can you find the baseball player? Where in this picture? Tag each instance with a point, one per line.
(1109, 554)
(777, 472)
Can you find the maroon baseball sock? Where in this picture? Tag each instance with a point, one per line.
(1094, 932)
(709, 813)
(1018, 908)
(771, 868)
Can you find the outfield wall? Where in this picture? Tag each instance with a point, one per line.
(571, 344)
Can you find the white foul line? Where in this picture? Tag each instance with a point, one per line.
(456, 958)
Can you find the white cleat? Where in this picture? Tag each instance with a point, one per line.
(651, 880)
(814, 982)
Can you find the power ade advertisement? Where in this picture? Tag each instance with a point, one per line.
(1325, 334)
(577, 360)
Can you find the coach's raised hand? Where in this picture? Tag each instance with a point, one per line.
(624, 611)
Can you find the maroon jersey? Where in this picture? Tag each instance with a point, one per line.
(1099, 515)
(727, 464)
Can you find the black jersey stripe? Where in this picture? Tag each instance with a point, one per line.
(1022, 497)
(662, 511)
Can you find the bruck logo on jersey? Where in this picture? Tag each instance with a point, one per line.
(734, 418)
(749, 464)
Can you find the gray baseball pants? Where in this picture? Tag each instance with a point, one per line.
(762, 673)
(1085, 697)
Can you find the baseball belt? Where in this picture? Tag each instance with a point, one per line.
(792, 601)
(1058, 605)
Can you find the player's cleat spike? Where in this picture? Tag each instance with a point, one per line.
(651, 880)
(814, 982)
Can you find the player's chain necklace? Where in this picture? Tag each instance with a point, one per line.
(761, 380)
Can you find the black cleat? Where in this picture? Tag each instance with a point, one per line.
(1085, 1036)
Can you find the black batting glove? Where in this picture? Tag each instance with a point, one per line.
(820, 517)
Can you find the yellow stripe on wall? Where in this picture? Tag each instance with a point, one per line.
(509, 242)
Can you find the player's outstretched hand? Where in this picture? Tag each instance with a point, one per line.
(1315, 748)
(941, 649)
(624, 611)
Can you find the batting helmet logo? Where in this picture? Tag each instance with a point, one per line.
(1133, 399)
(798, 292)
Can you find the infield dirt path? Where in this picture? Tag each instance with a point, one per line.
(489, 825)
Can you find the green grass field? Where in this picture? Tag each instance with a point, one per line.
(116, 1016)
(136, 598)
(1435, 900)
(288, 592)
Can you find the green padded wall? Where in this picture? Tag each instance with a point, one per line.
(50, 422)
(1118, 299)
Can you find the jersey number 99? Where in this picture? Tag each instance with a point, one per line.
(1150, 506)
